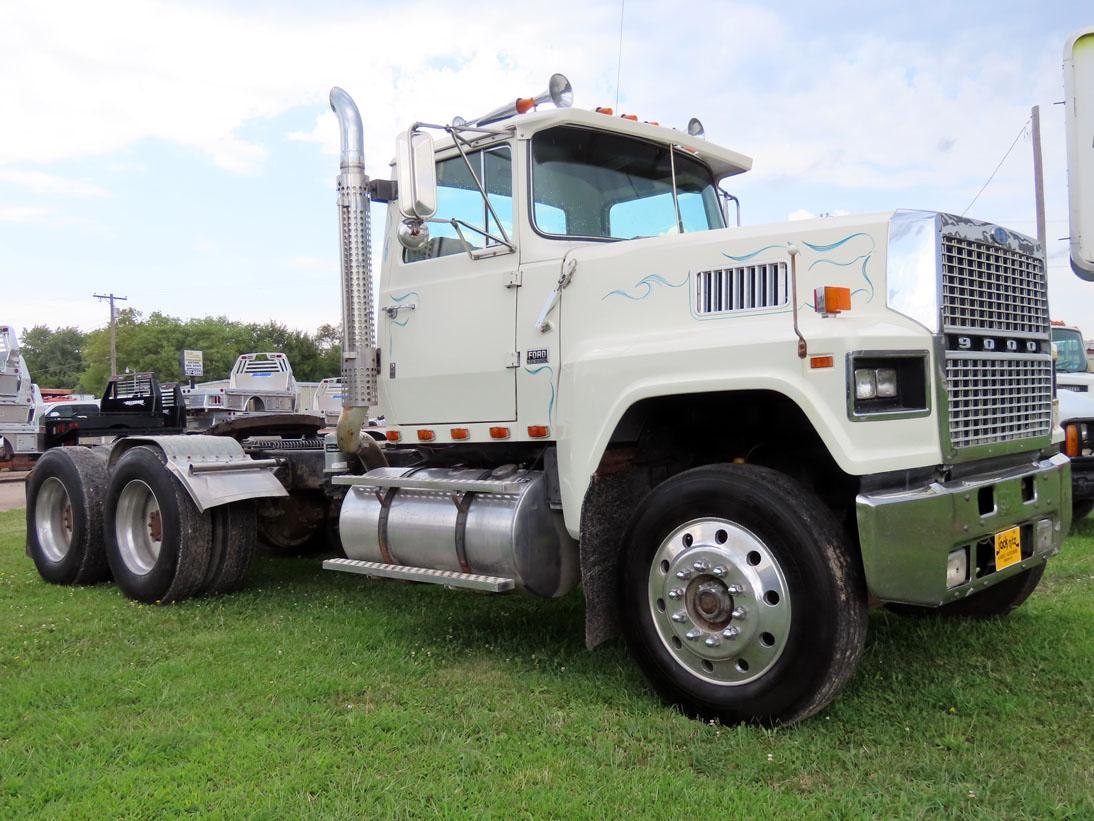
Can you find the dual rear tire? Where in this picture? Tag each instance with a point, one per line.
(135, 523)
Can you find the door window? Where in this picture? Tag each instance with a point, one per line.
(458, 198)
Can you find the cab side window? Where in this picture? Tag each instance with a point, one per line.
(458, 198)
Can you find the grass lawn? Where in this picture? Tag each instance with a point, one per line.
(323, 694)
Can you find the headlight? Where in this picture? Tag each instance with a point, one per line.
(887, 384)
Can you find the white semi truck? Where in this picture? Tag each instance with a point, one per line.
(736, 440)
(19, 400)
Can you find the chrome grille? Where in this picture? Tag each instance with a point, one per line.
(744, 288)
(987, 287)
(998, 397)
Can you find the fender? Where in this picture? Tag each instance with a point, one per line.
(214, 469)
(581, 452)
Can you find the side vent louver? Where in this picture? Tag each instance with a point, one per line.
(744, 288)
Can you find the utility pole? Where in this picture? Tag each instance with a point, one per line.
(113, 330)
(1038, 177)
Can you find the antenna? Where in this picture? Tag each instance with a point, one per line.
(619, 60)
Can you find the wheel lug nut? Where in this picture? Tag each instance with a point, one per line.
(735, 589)
(680, 616)
(712, 641)
(683, 574)
(718, 571)
(676, 593)
(693, 634)
(738, 613)
(731, 632)
(701, 565)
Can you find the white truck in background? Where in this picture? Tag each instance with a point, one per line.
(258, 383)
(736, 440)
(19, 400)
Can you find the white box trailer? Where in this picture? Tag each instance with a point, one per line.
(736, 440)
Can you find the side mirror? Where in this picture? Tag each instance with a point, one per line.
(416, 172)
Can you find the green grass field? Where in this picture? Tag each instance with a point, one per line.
(315, 693)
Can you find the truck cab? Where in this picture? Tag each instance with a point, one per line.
(1072, 363)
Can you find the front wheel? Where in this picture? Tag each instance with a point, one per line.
(742, 599)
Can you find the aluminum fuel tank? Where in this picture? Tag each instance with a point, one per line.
(511, 535)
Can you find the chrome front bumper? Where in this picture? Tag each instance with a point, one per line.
(906, 536)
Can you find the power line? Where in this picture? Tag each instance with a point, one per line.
(996, 171)
(619, 60)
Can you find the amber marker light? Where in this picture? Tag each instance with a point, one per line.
(499, 433)
(393, 436)
(425, 435)
(631, 117)
(1071, 442)
(538, 431)
(460, 433)
(831, 299)
(821, 362)
(604, 109)
(525, 104)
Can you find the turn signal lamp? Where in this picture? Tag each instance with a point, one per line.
(499, 433)
(831, 300)
(393, 436)
(460, 433)
(425, 435)
(1071, 440)
(821, 362)
(538, 431)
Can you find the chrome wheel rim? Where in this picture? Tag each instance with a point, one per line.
(53, 519)
(719, 601)
(139, 527)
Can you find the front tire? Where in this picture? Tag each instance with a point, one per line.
(742, 599)
(158, 543)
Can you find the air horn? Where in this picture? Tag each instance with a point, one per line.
(559, 91)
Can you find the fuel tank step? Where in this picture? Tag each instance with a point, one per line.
(449, 578)
(508, 487)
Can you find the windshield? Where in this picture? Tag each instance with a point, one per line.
(596, 184)
(1071, 350)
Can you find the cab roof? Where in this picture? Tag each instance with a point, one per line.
(724, 162)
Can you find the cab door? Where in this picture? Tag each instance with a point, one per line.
(447, 320)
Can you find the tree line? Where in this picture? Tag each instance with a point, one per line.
(66, 357)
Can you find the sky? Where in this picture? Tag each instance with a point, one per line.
(183, 155)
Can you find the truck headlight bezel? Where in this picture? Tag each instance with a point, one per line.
(887, 385)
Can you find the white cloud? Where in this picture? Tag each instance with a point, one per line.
(310, 263)
(23, 213)
(39, 182)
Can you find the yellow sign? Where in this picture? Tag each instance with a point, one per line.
(1008, 548)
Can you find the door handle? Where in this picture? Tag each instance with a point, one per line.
(393, 310)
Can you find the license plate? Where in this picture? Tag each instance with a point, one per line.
(1008, 547)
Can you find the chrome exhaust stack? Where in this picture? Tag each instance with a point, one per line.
(358, 324)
